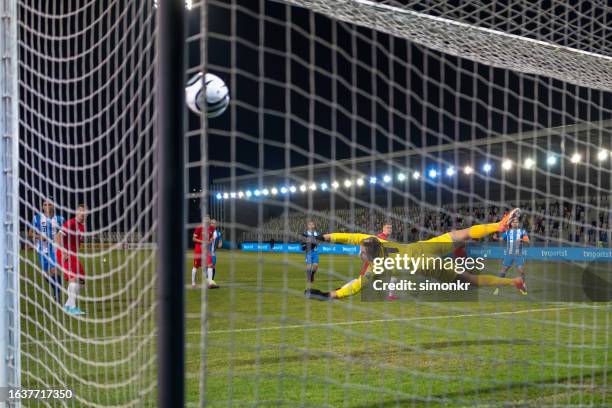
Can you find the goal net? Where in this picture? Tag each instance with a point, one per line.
(408, 118)
(85, 224)
(431, 117)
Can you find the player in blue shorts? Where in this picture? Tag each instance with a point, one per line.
(45, 229)
(514, 237)
(309, 246)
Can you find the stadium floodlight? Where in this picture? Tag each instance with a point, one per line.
(303, 188)
(507, 164)
(248, 193)
(265, 191)
(188, 4)
(551, 160)
(433, 173)
(602, 155)
(233, 194)
(312, 187)
(529, 163)
(576, 158)
(373, 180)
(387, 178)
(401, 177)
(292, 189)
(274, 191)
(468, 170)
(359, 182)
(324, 186)
(348, 183)
(450, 171)
(257, 193)
(283, 190)
(487, 167)
(240, 194)
(335, 185)
(219, 196)
(416, 175)
(225, 196)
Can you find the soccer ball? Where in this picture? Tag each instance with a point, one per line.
(217, 95)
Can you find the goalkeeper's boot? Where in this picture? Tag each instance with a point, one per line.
(496, 291)
(519, 283)
(316, 294)
(67, 309)
(510, 216)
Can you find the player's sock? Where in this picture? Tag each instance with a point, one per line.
(391, 294)
(482, 230)
(214, 272)
(523, 276)
(58, 288)
(350, 288)
(71, 302)
(502, 275)
(194, 271)
(491, 280)
(77, 290)
(209, 275)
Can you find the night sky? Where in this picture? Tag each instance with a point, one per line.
(350, 98)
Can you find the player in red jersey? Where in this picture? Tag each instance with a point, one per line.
(74, 273)
(199, 241)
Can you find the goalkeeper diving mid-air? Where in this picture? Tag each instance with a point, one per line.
(373, 247)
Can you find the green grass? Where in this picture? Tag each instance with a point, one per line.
(268, 346)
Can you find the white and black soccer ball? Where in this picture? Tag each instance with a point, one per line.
(217, 95)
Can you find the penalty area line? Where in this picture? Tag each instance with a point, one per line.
(399, 319)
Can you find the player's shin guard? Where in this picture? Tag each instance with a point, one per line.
(482, 230)
(491, 280)
(194, 271)
(210, 274)
(349, 289)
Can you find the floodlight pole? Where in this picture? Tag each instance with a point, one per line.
(171, 203)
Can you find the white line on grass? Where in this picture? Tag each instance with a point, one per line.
(404, 319)
(309, 325)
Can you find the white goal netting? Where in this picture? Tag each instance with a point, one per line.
(413, 118)
(86, 194)
(429, 117)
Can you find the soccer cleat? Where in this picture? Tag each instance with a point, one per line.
(316, 294)
(67, 309)
(519, 283)
(76, 311)
(212, 285)
(193, 286)
(496, 291)
(392, 297)
(507, 219)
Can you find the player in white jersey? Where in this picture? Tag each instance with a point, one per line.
(45, 230)
(513, 252)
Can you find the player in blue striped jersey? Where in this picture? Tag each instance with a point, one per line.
(309, 246)
(514, 239)
(45, 229)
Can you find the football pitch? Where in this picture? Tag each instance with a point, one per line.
(266, 345)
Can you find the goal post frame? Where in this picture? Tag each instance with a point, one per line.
(171, 202)
(10, 361)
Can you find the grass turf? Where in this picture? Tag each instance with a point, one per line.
(268, 346)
